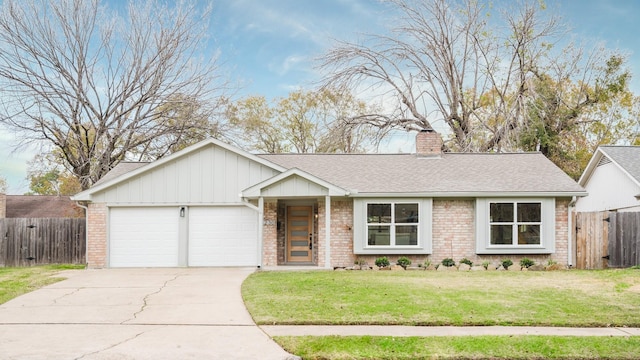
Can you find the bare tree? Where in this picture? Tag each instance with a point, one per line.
(97, 84)
(303, 122)
(449, 61)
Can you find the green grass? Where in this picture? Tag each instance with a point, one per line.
(467, 347)
(561, 298)
(17, 281)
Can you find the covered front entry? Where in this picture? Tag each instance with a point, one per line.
(299, 234)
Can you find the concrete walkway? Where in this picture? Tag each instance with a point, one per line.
(136, 314)
(362, 330)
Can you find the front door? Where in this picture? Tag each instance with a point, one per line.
(299, 234)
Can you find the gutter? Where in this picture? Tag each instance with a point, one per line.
(570, 208)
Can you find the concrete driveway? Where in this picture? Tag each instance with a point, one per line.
(186, 313)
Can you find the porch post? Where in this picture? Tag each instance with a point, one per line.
(327, 232)
(260, 229)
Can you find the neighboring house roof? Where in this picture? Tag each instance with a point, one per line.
(42, 206)
(627, 158)
(450, 174)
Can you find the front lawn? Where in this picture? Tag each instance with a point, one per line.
(465, 347)
(561, 298)
(15, 281)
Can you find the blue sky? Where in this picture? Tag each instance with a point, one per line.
(268, 46)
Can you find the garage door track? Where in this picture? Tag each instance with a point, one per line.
(182, 313)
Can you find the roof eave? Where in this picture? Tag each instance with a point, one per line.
(588, 171)
(472, 194)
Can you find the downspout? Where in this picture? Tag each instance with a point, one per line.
(327, 232)
(570, 232)
(86, 231)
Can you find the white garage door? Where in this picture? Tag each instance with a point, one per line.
(143, 237)
(223, 236)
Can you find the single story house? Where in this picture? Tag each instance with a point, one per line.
(612, 179)
(213, 204)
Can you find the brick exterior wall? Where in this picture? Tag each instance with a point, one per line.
(341, 233)
(453, 230)
(97, 235)
(270, 234)
(453, 236)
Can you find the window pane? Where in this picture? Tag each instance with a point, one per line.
(407, 235)
(528, 234)
(529, 212)
(501, 212)
(378, 213)
(379, 235)
(406, 213)
(501, 234)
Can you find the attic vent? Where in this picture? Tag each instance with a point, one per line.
(604, 161)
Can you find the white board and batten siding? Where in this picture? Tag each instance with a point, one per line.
(211, 175)
(609, 188)
(294, 186)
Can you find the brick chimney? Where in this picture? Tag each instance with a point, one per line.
(3, 206)
(428, 143)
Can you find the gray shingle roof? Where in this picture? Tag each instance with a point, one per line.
(451, 173)
(42, 206)
(120, 169)
(626, 156)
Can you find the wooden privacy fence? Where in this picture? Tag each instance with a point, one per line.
(607, 239)
(37, 241)
(624, 239)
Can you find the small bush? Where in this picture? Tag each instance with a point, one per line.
(485, 264)
(526, 262)
(551, 262)
(426, 263)
(448, 262)
(382, 262)
(360, 262)
(466, 261)
(506, 263)
(403, 261)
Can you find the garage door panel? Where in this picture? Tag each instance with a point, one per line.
(223, 236)
(143, 237)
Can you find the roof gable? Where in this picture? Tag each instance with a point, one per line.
(209, 171)
(626, 158)
(293, 182)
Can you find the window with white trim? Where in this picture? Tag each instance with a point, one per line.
(515, 225)
(392, 224)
